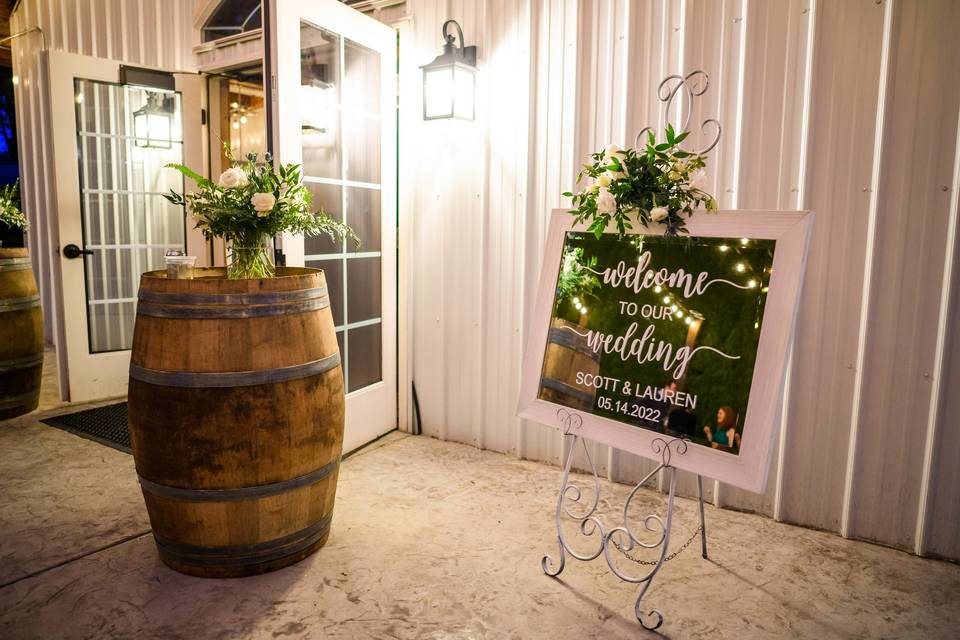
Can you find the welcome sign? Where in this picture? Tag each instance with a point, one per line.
(647, 336)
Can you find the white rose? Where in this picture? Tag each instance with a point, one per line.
(606, 203)
(658, 213)
(611, 151)
(604, 180)
(263, 203)
(233, 177)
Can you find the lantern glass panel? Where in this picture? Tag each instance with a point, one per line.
(464, 92)
(438, 86)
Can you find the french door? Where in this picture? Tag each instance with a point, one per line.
(110, 144)
(333, 76)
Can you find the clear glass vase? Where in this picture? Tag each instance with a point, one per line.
(251, 257)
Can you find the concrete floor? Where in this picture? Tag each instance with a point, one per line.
(430, 540)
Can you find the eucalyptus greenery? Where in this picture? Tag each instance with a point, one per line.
(659, 184)
(252, 202)
(10, 214)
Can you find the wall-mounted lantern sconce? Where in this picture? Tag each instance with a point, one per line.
(449, 82)
(153, 122)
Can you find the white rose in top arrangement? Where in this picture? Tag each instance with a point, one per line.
(606, 202)
(611, 151)
(608, 154)
(263, 203)
(233, 177)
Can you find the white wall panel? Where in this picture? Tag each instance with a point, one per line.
(843, 117)
(551, 167)
(909, 252)
(942, 511)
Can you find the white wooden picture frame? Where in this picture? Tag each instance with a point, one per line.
(748, 470)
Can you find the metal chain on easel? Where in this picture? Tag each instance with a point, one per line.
(652, 563)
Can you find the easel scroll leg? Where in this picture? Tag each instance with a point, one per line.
(648, 580)
(546, 560)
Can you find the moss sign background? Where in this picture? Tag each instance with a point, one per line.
(658, 333)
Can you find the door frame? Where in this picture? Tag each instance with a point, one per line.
(283, 74)
(100, 379)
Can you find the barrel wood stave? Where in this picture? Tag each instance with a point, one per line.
(21, 335)
(236, 413)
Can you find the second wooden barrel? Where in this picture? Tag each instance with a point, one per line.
(567, 354)
(21, 335)
(236, 407)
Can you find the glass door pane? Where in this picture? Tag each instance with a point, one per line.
(125, 136)
(340, 138)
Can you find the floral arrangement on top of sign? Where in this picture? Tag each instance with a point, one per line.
(10, 214)
(252, 202)
(659, 184)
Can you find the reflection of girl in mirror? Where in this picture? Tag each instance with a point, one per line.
(724, 436)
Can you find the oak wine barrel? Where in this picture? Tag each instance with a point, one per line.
(236, 405)
(21, 335)
(567, 354)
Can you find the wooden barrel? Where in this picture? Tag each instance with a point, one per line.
(236, 418)
(21, 335)
(567, 354)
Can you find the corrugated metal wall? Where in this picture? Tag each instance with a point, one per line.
(847, 108)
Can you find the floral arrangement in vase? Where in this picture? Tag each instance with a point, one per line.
(250, 203)
(658, 184)
(10, 214)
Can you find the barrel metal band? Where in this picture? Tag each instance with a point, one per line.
(14, 264)
(266, 297)
(24, 399)
(15, 304)
(243, 493)
(233, 378)
(226, 312)
(562, 387)
(246, 554)
(26, 362)
(572, 341)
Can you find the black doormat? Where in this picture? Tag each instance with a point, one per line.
(106, 425)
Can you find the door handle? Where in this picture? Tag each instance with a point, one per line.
(72, 251)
